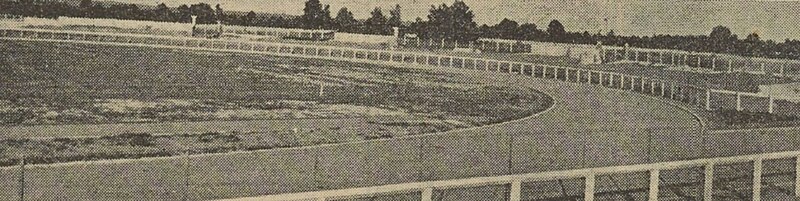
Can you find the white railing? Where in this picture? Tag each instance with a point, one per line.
(698, 96)
(589, 175)
(703, 60)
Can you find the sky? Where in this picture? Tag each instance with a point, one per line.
(776, 20)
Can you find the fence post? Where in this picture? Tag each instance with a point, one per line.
(22, 179)
(738, 101)
(636, 56)
(654, 179)
(698, 62)
(730, 66)
(427, 194)
(652, 87)
(763, 69)
(516, 191)
(588, 188)
(610, 80)
(589, 77)
(713, 63)
(633, 80)
(621, 82)
(642, 85)
(757, 170)
(771, 109)
(662, 89)
(797, 177)
(600, 78)
(577, 75)
(708, 99)
(672, 91)
(672, 58)
(708, 182)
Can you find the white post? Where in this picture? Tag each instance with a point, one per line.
(654, 179)
(588, 189)
(672, 91)
(662, 89)
(427, 194)
(578, 76)
(771, 104)
(763, 69)
(589, 76)
(730, 66)
(642, 85)
(757, 170)
(797, 177)
(610, 80)
(516, 191)
(672, 58)
(633, 79)
(713, 63)
(708, 99)
(708, 182)
(738, 101)
(653, 87)
(600, 78)
(621, 82)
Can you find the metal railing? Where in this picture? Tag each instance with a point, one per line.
(589, 175)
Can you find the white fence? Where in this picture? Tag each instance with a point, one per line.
(589, 175)
(699, 96)
(711, 61)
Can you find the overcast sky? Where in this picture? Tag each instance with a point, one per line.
(775, 20)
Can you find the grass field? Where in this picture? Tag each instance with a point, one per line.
(49, 84)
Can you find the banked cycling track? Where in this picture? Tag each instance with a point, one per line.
(588, 126)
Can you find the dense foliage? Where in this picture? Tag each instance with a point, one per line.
(451, 23)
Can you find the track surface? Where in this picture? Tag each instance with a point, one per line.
(589, 126)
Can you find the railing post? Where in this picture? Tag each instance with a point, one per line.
(654, 179)
(427, 194)
(672, 91)
(578, 76)
(708, 182)
(662, 89)
(588, 189)
(713, 63)
(589, 77)
(730, 66)
(516, 191)
(600, 78)
(797, 177)
(738, 101)
(633, 84)
(771, 108)
(642, 85)
(621, 81)
(708, 99)
(757, 171)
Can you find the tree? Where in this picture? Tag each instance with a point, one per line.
(162, 13)
(85, 7)
(722, 39)
(450, 23)
(377, 23)
(507, 29)
(395, 19)
(345, 21)
(315, 15)
(529, 31)
(556, 31)
(183, 14)
(219, 14)
(204, 13)
(249, 19)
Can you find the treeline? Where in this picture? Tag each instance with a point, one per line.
(720, 40)
(449, 22)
